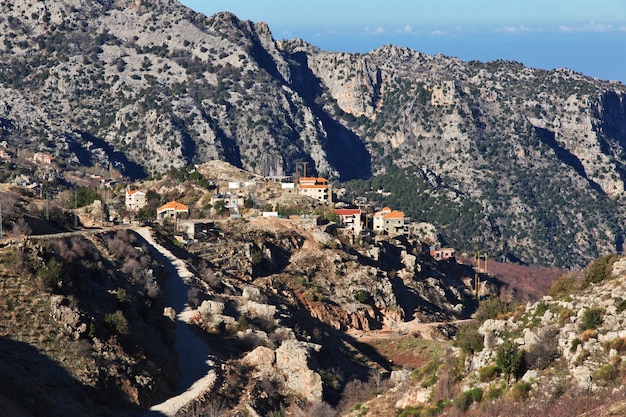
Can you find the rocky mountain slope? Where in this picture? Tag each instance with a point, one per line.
(92, 311)
(539, 153)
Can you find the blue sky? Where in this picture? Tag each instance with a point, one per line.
(588, 36)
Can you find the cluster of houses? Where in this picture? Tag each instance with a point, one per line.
(386, 221)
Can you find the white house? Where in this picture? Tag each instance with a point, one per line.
(391, 221)
(350, 219)
(135, 199)
(171, 210)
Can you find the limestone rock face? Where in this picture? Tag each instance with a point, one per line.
(70, 318)
(293, 360)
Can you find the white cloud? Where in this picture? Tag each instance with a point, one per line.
(376, 31)
(589, 27)
(407, 29)
(515, 29)
(439, 32)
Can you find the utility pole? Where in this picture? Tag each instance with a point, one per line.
(75, 209)
(47, 209)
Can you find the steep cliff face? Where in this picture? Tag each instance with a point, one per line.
(149, 85)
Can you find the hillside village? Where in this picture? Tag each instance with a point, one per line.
(268, 197)
(199, 220)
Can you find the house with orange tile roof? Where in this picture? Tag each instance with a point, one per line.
(350, 219)
(135, 200)
(315, 187)
(171, 210)
(392, 222)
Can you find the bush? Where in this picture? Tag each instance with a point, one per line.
(575, 343)
(361, 296)
(51, 275)
(510, 358)
(592, 318)
(542, 353)
(465, 399)
(564, 286)
(618, 344)
(488, 373)
(468, 339)
(410, 411)
(493, 393)
(599, 270)
(521, 390)
(606, 374)
(117, 322)
(492, 308)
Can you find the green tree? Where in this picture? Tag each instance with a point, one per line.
(220, 207)
(510, 358)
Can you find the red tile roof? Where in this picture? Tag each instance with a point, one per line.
(173, 205)
(395, 214)
(348, 212)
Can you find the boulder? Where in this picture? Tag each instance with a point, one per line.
(70, 318)
(262, 358)
(210, 307)
(292, 360)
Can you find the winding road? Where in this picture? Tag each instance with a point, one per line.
(196, 370)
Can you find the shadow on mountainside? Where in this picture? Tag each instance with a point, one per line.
(32, 384)
(345, 151)
(193, 353)
(118, 159)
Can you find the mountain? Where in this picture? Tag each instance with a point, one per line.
(526, 164)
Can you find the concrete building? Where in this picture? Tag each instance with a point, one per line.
(392, 222)
(135, 200)
(171, 210)
(441, 254)
(350, 219)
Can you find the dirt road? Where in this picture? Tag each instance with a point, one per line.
(196, 373)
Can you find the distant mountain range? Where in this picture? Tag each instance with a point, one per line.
(532, 162)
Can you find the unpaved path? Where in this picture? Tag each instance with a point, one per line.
(414, 327)
(196, 373)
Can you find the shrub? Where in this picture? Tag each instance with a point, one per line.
(493, 393)
(599, 270)
(51, 275)
(592, 318)
(410, 411)
(575, 343)
(564, 286)
(361, 296)
(521, 390)
(242, 324)
(488, 373)
(606, 374)
(492, 308)
(468, 339)
(465, 399)
(588, 334)
(542, 353)
(621, 306)
(510, 358)
(618, 344)
(117, 322)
